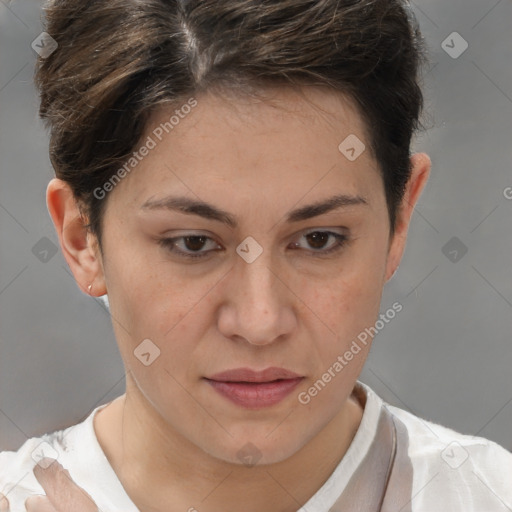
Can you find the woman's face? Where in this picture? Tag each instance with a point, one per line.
(262, 290)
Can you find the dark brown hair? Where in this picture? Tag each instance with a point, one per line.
(117, 60)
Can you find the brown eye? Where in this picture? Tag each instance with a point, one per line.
(194, 243)
(317, 240)
(191, 247)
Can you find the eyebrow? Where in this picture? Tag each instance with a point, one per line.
(208, 211)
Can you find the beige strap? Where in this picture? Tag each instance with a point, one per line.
(383, 480)
(399, 491)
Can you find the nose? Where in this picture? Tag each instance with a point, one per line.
(258, 306)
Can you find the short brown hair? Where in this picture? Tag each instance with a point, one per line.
(119, 59)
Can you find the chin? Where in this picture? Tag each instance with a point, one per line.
(251, 452)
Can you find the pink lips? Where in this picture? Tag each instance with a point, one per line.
(255, 389)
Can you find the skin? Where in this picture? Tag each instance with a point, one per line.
(171, 439)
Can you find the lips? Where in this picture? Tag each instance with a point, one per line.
(253, 389)
(248, 375)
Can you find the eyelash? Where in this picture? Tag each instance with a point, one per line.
(169, 244)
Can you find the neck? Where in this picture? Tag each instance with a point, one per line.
(157, 466)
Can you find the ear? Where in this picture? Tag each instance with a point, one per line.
(79, 247)
(421, 165)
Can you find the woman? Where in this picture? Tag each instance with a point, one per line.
(237, 177)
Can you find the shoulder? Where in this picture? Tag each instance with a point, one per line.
(454, 469)
(17, 479)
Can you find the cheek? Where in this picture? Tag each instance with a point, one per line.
(146, 288)
(167, 312)
(349, 301)
(353, 293)
(152, 301)
(349, 311)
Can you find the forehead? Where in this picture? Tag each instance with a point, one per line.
(285, 141)
(273, 110)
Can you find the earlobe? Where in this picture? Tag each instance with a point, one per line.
(420, 170)
(76, 243)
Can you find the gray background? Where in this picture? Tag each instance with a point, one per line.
(446, 356)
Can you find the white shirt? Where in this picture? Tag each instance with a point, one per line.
(452, 472)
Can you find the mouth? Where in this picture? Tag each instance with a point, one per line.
(249, 375)
(253, 389)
